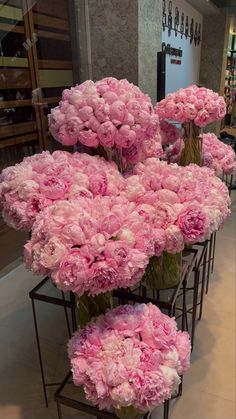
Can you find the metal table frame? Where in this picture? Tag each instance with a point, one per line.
(36, 294)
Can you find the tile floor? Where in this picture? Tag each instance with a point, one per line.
(209, 387)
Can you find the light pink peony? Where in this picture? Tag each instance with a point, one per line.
(125, 358)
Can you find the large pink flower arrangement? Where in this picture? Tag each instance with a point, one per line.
(90, 245)
(183, 205)
(111, 113)
(218, 156)
(27, 188)
(197, 104)
(132, 356)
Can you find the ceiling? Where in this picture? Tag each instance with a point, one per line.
(204, 7)
(212, 7)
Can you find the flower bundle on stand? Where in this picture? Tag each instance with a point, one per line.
(43, 179)
(184, 205)
(194, 107)
(218, 156)
(130, 360)
(94, 230)
(113, 114)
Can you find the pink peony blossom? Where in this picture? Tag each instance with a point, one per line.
(132, 356)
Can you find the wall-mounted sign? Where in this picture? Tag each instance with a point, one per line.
(184, 26)
(169, 50)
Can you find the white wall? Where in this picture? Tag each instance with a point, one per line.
(187, 73)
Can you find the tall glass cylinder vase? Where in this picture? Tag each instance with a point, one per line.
(90, 307)
(192, 152)
(129, 413)
(163, 271)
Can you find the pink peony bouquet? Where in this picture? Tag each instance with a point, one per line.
(133, 356)
(90, 245)
(40, 180)
(111, 113)
(183, 205)
(218, 156)
(197, 104)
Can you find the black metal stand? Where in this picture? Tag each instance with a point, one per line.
(210, 258)
(83, 406)
(37, 294)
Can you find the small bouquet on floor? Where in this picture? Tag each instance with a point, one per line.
(110, 113)
(129, 360)
(194, 107)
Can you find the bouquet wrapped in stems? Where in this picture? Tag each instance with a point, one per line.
(194, 107)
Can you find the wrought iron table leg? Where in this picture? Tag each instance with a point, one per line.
(73, 312)
(213, 252)
(203, 284)
(209, 263)
(166, 409)
(66, 314)
(184, 308)
(59, 410)
(195, 301)
(39, 353)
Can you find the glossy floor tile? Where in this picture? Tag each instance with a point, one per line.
(209, 387)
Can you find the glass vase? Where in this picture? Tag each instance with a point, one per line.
(163, 271)
(90, 307)
(192, 152)
(129, 413)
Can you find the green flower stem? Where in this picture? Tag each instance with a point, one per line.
(89, 307)
(192, 145)
(129, 413)
(163, 271)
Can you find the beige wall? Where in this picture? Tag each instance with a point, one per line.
(149, 43)
(120, 38)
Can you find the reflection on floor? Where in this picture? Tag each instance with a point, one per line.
(208, 387)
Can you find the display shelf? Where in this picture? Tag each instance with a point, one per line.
(53, 35)
(53, 8)
(27, 138)
(6, 27)
(15, 103)
(50, 22)
(15, 129)
(13, 62)
(16, 78)
(58, 78)
(55, 64)
(9, 12)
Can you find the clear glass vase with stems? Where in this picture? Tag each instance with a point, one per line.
(192, 152)
(163, 271)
